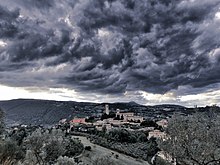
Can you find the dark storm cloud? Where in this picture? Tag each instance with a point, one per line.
(113, 46)
(8, 22)
(39, 3)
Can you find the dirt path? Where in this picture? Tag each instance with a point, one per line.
(98, 151)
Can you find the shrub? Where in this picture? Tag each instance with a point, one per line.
(104, 160)
(88, 148)
(10, 152)
(65, 161)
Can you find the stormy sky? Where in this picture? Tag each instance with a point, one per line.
(148, 51)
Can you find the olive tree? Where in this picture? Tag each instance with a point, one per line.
(10, 152)
(34, 145)
(65, 161)
(47, 146)
(104, 160)
(193, 140)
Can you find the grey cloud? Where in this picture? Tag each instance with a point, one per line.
(38, 3)
(113, 46)
(8, 22)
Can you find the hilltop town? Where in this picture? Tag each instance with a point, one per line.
(121, 119)
(122, 135)
(118, 120)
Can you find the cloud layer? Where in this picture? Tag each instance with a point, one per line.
(111, 46)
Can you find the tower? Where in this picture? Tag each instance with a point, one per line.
(117, 111)
(107, 109)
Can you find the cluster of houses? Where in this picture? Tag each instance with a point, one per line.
(118, 121)
(121, 119)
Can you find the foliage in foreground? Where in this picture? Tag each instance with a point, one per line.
(25, 146)
(194, 139)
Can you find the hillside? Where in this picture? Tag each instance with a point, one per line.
(29, 111)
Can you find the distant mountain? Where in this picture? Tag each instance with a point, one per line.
(168, 106)
(29, 111)
(41, 111)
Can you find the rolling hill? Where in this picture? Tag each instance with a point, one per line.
(47, 112)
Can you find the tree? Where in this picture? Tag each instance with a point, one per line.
(122, 117)
(151, 147)
(90, 119)
(65, 161)
(142, 136)
(104, 116)
(18, 135)
(73, 147)
(45, 147)
(34, 144)
(117, 117)
(112, 115)
(122, 135)
(2, 124)
(194, 140)
(148, 123)
(104, 160)
(88, 148)
(160, 161)
(10, 152)
(104, 129)
(54, 149)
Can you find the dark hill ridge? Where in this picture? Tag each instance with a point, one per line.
(29, 111)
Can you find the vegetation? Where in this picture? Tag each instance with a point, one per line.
(65, 161)
(90, 119)
(160, 161)
(194, 139)
(104, 160)
(191, 140)
(150, 123)
(2, 125)
(10, 152)
(125, 136)
(131, 143)
(36, 145)
(88, 148)
(110, 115)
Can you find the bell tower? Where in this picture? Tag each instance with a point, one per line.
(107, 109)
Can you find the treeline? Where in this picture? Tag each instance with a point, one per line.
(125, 136)
(132, 143)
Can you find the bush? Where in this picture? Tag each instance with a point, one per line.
(104, 160)
(65, 161)
(121, 135)
(47, 146)
(88, 148)
(73, 148)
(54, 149)
(148, 123)
(125, 136)
(10, 152)
(160, 161)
